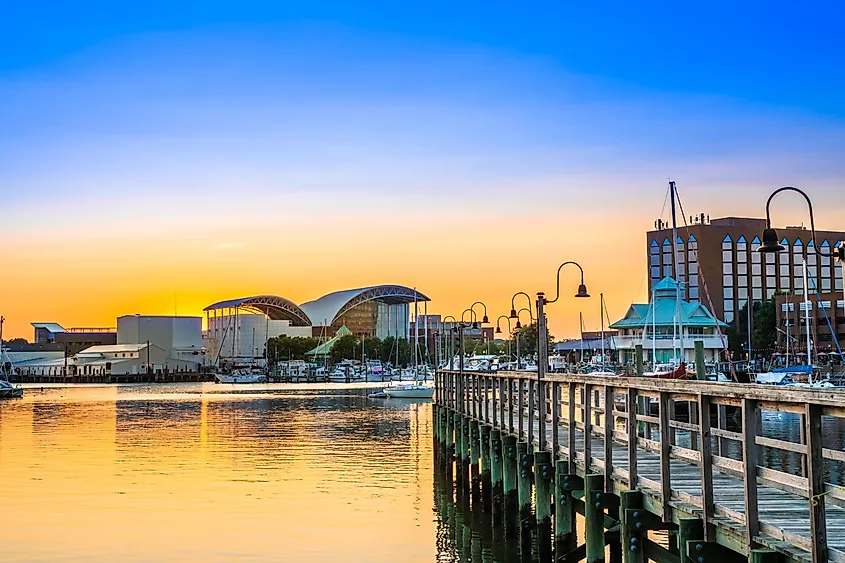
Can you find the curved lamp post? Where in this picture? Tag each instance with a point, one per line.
(772, 245)
(510, 331)
(543, 346)
(514, 312)
(451, 339)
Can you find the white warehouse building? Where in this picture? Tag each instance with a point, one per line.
(179, 337)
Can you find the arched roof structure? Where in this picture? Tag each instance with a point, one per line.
(325, 310)
(275, 307)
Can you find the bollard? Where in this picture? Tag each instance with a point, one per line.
(632, 538)
(509, 483)
(496, 475)
(486, 477)
(543, 479)
(700, 368)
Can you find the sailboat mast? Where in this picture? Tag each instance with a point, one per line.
(807, 314)
(676, 268)
(601, 314)
(581, 329)
(653, 330)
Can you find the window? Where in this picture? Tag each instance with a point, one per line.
(756, 281)
(727, 281)
(693, 267)
(693, 293)
(727, 268)
(729, 305)
(756, 269)
(655, 260)
(728, 293)
(770, 268)
(825, 284)
(655, 272)
(770, 292)
(727, 256)
(742, 292)
(742, 281)
(742, 268)
(757, 293)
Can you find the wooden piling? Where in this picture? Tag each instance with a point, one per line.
(543, 477)
(474, 457)
(486, 466)
(449, 458)
(632, 537)
(639, 359)
(495, 437)
(594, 517)
(509, 482)
(524, 484)
(690, 530)
(700, 368)
(565, 533)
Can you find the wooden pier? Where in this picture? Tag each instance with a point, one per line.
(632, 456)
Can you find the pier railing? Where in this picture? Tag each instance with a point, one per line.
(760, 466)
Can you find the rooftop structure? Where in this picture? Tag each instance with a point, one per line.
(654, 325)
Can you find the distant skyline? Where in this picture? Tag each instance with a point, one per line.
(159, 154)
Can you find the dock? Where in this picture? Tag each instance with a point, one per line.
(631, 456)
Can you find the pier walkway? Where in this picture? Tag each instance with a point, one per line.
(730, 484)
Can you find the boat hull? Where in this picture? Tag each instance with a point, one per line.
(410, 393)
(250, 378)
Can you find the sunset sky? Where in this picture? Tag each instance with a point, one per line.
(156, 157)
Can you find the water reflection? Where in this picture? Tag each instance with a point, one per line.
(181, 473)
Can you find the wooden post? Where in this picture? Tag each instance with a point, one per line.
(700, 369)
(449, 456)
(531, 400)
(632, 538)
(632, 437)
(689, 530)
(587, 416)
(566, 538)
(509, 484)
(571, 429)
(764, 556)
(608, 438)
(474, 457)
(462, 477)
(555, 404)
(485, 472)
(543, 477)
(509, 383)
(706, 464)
(815, 482)
(750, 453)
(520, 408)
(639, 359)
(594, 517)
(524, 487)
(665, 448)
(496, 475)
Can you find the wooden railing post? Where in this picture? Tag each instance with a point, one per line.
(520, 408)
(571, 429)
(750, 429)
(632, 438)
(531, 399)
(706, 464)
(665, 449)
(587, 416)
(815, 482)
(608, 438)
(555, 391)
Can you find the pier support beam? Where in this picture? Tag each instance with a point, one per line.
(632, 537)
(486, 461)
(690, 532)
(474, 457)
(526, 463)
(543, 477)
(509, 471)
(449, 458)
(566, 538)
(461, 455)
(496, 464)
(594, 517)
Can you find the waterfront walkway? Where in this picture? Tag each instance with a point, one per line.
(794, 515)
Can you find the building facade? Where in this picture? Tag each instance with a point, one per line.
(826, 326)
(73, 340)
(718, 263)
(179, 337)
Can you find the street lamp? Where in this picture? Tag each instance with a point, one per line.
(451, 339)
(530, 316)
(510, 331)
(771, 244)
(514, 312)
(516, 332)
(543, 345)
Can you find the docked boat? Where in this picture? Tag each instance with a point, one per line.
(667, 371)
(9, 391)
(409, 391)
(242, 375)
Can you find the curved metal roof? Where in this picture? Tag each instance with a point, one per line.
(325, 310)
(275, 307)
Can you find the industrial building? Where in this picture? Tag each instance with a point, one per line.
(73, 340)
(239, 328)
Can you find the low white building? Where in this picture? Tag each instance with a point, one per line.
(179, 337)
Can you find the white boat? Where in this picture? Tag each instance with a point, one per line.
(254, 375)
(9, 391)
(409, 391)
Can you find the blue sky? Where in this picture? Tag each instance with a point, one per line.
(561, 117)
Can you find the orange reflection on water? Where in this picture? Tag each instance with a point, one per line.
(134, 474)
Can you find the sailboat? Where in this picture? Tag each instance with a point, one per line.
(7, 390)
(603, 369)
(251, 373)
(415, 389)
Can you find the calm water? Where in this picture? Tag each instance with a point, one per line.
(193, 472)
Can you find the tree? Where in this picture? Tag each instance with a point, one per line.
(345, 347)
(372, 347)
(528, 340)
(763, 331)
(283, 348)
